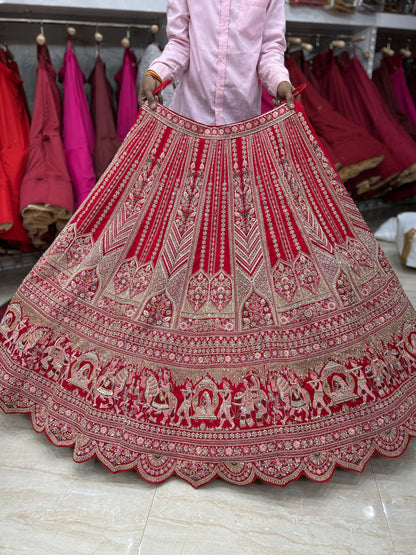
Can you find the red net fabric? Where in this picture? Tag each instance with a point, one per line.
(216, 308)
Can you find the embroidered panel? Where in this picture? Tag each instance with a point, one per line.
(216, 307)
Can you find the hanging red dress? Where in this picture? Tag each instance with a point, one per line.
(344, 136)
(369, 106)
(216, 308)
(14, 140)
(78, 132)
(47, 198)
(126, 94)
(103, 117)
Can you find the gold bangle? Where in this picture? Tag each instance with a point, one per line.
(153, 74)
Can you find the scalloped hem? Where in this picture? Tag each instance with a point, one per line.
(154, 468)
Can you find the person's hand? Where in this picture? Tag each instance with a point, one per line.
(284, 92)
(149, 84)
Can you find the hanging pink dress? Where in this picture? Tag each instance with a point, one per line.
(47, 197)
(127, 96)
(78, 132)
(103, 117)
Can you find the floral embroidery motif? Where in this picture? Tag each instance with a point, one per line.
(158, 311)
(130, 277)
(198, 290)
(306, 273)
(285, 282)
(220, 293)
(84, 285)
(256, 312)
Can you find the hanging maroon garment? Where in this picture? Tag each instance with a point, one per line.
(380, 123)
(404, 98)
(382, 81)
(78, 132)
(103, 117)
(328, 74)
(14, 140)
(127, 96)
(217, 307)
(300, 59)
(344, 136)
(47, 197)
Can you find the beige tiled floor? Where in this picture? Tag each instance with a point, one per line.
(50, 505)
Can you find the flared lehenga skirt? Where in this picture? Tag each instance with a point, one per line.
(217, 307)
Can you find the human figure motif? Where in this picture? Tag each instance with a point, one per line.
(318, 402)
(13, 337)
(259, 398)
(184, 411)
(244, 400)
(57, 357)
(224, 413)
(362, 385)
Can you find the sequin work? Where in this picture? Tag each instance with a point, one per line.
(217, 307)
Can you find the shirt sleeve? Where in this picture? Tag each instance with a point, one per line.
(271, 65)
(174, 60)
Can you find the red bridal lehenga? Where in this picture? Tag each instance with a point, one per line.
(217, 307)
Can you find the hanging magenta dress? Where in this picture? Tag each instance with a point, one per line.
(126, 94)
(382, 81)
(103, 117)
(401, 89)
(78, 132)
(216, 308)
(46, 194)
(14, 140)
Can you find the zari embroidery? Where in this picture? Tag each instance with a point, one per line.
(216, 307)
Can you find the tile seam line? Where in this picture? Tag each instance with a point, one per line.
(384, 510)
(147, 520)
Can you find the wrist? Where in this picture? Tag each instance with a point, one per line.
(153, 74)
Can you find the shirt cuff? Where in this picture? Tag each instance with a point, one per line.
(161, 69)
(273, 82)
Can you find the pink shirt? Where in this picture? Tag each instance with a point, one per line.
(218, 50)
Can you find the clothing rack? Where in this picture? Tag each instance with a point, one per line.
(72, 22)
